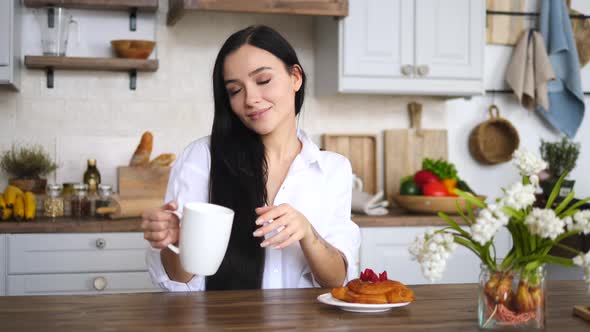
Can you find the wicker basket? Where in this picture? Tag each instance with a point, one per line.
(493, 141)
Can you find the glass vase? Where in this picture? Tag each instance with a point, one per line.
(513, 299)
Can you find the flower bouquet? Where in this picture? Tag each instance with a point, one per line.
(512, 288)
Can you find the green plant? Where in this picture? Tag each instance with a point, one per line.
(441, 168)
(561, 156)
(27, 162)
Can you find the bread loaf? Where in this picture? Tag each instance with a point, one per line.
(141, 157)
(165, 159)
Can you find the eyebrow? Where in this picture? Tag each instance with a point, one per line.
(254, 72)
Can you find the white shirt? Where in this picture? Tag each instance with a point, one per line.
(318, 184)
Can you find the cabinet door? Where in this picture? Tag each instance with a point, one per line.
(3, 251)
(5, 32)
(450, 38)
(378, 37)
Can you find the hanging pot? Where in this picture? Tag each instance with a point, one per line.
(493, 141)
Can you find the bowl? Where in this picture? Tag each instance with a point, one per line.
(133, 49)
(432, 204)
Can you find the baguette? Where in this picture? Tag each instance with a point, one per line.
(141, 157)
(165, 159)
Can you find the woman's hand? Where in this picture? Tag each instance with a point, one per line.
(160, 226)
(296, 226)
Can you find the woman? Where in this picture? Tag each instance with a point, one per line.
(257, 163)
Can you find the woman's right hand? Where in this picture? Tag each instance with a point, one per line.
(160, 226)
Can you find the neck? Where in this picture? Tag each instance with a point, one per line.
(282, 144)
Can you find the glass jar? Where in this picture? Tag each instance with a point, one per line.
(66, 193)
(53, 204)
(105, 193)
(79, 201)
(512, 299)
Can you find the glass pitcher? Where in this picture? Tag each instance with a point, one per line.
(55, 23)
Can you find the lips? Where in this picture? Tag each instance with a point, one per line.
(258, 114)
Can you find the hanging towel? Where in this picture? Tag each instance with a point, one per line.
(530, 70)
(566, 99)
(365, 203)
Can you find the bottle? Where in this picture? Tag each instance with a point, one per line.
(66, 194)
(105, 193)
(79, 201)
(54, 203)
(92, 176)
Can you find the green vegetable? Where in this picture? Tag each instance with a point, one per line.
(441, 168)
(462, 185)
(409, 187)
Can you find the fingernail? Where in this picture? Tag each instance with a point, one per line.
(277, 247)
(257, 233)
(257, 222)
(264, 244)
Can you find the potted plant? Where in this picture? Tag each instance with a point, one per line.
(26, 165)
(561, 157)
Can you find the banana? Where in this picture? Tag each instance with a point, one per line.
(10, 194)
(6, 214)
(30, 206)
(19, 207)
(2, 206)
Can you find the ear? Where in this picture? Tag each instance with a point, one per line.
(296, 77)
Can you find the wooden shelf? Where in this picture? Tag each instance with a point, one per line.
(339, 8)
(78, 63)
(143, 5)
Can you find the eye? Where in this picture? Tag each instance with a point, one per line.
(263, 82)
(233, 92)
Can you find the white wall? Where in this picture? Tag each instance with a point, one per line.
(94, 114)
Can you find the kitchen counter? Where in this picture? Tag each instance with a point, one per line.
(95, 225)
(441, 307)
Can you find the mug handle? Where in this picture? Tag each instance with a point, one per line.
(174, 248)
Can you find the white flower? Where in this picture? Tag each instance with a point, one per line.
(527, 163)
(487, 223)
(545, 223)
(519, 196)
(582, 222)
(432, 250)
(534, 180)
(584, 262)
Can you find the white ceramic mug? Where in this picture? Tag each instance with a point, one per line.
(204, 234)
(357, 183)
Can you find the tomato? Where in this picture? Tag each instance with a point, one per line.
(435, 189)
(423, 177)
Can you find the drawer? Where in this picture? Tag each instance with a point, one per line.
(72, 253)
(3, 264)
(80, 283)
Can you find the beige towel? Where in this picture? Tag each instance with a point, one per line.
(530, 70)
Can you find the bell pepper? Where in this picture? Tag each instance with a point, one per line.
(450, 184)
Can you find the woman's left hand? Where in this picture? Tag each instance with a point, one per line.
(296, 226)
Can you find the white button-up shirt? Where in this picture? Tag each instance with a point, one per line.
(318, 184)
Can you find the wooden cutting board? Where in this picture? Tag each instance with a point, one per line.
(143, 182)
(130, 207)
(361, 150)
(404, 149)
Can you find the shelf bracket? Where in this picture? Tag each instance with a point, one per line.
(133, 19)
(49, 74)
(132, 79)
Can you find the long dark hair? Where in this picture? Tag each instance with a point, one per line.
(239, 167)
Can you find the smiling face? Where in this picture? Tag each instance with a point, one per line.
(260, 88)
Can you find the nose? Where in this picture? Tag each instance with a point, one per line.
(253, 96)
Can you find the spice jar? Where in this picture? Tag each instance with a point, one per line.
(79, 201)
(105, 193)
(54, 203)
(66, 193)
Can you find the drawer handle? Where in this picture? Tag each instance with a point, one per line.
(101, 243)
(100, 283)
(423, 70)
(407, 70)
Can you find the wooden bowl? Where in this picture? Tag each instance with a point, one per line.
(432, 204)
(133, 49)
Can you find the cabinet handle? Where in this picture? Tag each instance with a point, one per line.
(407, 70)
(100, 283)
(101, 243)
(423, 70)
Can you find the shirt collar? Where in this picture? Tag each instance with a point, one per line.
(310, 152)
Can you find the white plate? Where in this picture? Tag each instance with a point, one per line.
(327, 298)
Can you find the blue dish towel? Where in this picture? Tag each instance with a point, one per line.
(566, 99)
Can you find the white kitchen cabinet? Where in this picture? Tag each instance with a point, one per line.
(83, 263)
(423, 47)
(386, 249)
(3, 248)
(10, 43)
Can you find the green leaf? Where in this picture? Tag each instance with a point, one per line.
(470, 198)
(565, 202)
(574, 207)
(558, 260)
(513, 213)
(555, 191)
(462, 214)
(452, 223)
(469, 245)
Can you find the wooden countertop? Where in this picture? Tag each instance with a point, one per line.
(437, 307)
(396, 218)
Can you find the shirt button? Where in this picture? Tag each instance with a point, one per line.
(283, 187)
(275, 270)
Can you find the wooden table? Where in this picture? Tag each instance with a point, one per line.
(440, 307)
